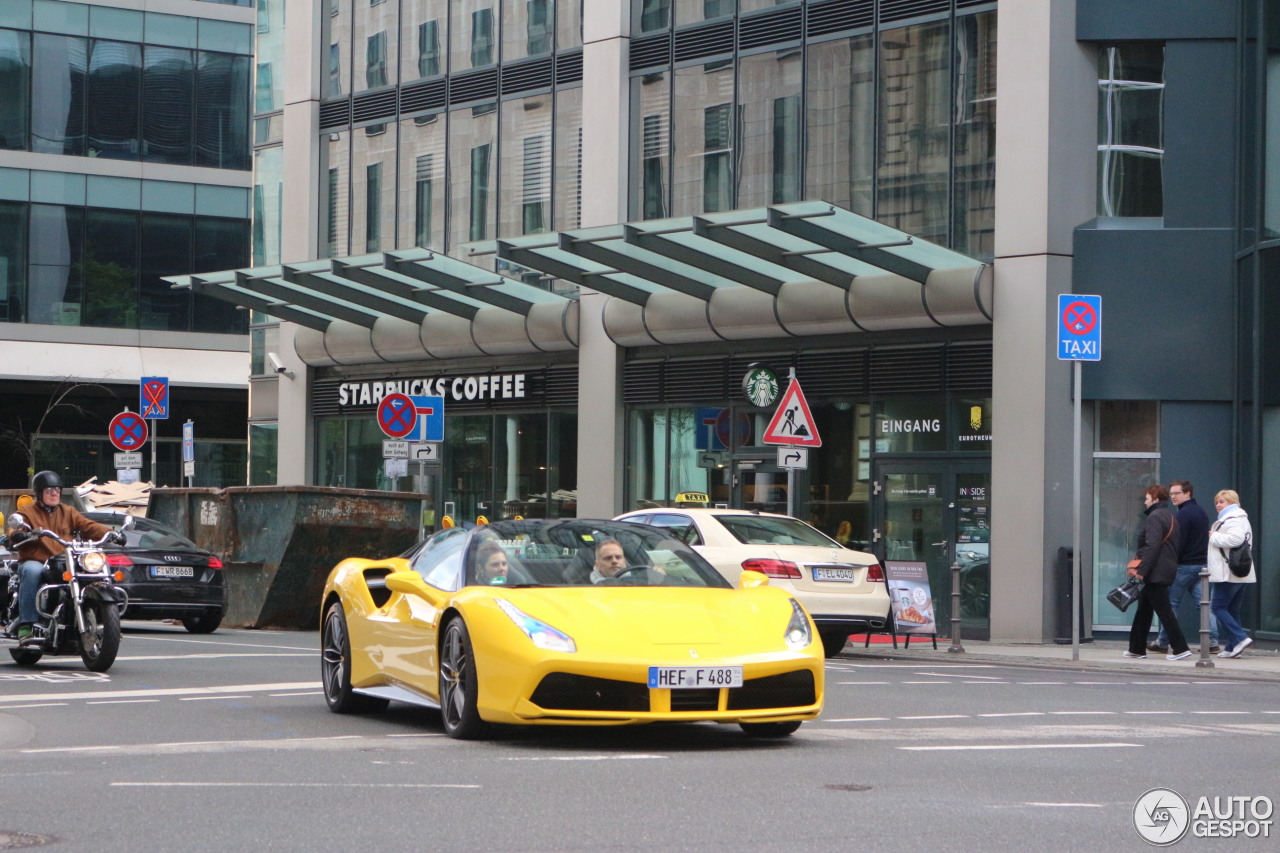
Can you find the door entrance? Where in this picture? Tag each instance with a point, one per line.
(937, 513)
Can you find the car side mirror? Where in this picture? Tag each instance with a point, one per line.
(407, 583)
(750, 580)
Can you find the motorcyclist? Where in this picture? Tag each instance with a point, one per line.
(50, 513)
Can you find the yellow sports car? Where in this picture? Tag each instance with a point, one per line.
(568, 622)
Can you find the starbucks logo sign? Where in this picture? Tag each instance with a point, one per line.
(761, 386)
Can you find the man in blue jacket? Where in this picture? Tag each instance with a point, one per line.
(1193, 555)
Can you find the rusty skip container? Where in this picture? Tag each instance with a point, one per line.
(278, 543)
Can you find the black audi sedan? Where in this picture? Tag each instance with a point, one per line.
(167, 575)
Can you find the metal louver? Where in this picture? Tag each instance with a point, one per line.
(778, 27)
(699, 42)
(335, 114)
(524, 76)
(837, 15)
(569, 68)
(642, 382)
(650, 50)
(371, 106)
(428, 95)
(907, 370)
(475, 86)
(897, 10)
(969, 368)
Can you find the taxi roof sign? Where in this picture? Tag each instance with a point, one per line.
(693, 498)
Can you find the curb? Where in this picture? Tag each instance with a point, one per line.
(1180, 668)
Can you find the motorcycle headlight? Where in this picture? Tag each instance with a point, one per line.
(542, 634)
(798, 636)
(94, 562)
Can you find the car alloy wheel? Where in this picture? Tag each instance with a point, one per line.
(335, 668)
(458, 686)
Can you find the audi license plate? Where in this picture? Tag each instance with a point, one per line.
(828, 573)
(691, 677)
(172, 572)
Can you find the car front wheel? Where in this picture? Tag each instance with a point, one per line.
(769, 729)
(458, 688)
(833, 641)
(205, 623)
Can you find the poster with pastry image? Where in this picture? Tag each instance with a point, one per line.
(910, 596)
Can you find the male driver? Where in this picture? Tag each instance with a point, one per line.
(1193, 554)
(609, 560)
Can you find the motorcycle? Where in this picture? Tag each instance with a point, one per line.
(78, 603)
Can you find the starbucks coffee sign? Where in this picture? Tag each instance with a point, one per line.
(761, 386)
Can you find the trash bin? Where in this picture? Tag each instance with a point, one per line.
(1063, 601)
(278, 543)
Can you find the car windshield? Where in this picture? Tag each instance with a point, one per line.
(774, 530)
(583, 552)
(145, 532)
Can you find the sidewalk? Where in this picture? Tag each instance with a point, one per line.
(1260, 662)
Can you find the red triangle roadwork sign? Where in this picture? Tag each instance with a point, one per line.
(792, 423)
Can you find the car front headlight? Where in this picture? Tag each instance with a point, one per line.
(542, 634)
(798, 634)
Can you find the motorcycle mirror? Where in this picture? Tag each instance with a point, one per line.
(16, 520)
(128, 522)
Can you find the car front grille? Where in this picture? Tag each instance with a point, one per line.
(562, 691)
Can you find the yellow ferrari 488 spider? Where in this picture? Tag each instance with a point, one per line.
(568, 622)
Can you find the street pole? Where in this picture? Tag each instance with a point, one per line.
(791, 472)
(1075, 520)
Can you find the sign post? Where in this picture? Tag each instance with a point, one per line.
(153, 400)
(411, 421)
(792, 424)
(189, 451)
(1079, 339)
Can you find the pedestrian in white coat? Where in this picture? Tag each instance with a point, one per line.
(1231, 529)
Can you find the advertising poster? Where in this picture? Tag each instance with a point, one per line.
(909, 593)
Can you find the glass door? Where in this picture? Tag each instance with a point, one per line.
(938, 513)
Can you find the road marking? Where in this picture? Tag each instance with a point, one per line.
(1042, 682)
(172, 639)
(1145, 713)
(949, 675)
(1067, 805)
(171, 691)
(1082, 713)
(1174, 683)
(271, 744)
(292, 785)
(120, 701)
(1019, 746)
(1103, 683)
(1016, 714)
(856, 720)
(207, 698)
(932, 666)
(928, 682)
(216, 656)
(40, 705)
(862, 683)
(301, 693)
(937, 717)
(418, 734)
(633, 757)
(1220, 712)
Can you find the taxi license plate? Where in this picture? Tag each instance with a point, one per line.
(172, 572)
(821, 573)
(694, 677)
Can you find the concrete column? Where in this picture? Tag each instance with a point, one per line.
(1046, 142)
(300, 217)
(601, 427)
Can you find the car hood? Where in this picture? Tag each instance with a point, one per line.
(630, 619)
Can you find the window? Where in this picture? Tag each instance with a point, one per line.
(717, 171)
(479, 213)
(423, 190)
(372, 210)
(335, 71)
(534, 185)
(786, 149)
(1130, 130)
(653, 165)
(482, 37)
(333, 213)
(15, 73)
(375, 70)
(654, 15)
(428, 49)
(538, 28)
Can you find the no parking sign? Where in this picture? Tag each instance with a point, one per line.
(1079, 327)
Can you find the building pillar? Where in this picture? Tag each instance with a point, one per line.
(605, 99)
(1046, 144)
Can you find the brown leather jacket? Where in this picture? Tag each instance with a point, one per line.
(63, 520)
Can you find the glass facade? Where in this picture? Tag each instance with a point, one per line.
(82, 266)
(93, 97)
(898, 125)
(1130, 129)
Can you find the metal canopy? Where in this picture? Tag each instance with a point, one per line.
(793, 269)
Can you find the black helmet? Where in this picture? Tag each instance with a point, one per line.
(45, 480)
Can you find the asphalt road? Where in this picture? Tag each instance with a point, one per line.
(223, 743)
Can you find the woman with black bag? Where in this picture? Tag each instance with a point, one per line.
(1230, 531)
(1157, 559)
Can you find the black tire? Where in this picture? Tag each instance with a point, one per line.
(26, 657)
(769, 729)
(458, 687)
(335, 668)
(100, 641)
(205, 623)
(833, 641)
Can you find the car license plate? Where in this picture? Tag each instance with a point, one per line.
(691, 677)
(827, 573)
(172, 572)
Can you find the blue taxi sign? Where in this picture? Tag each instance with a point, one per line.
(1079, 327)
